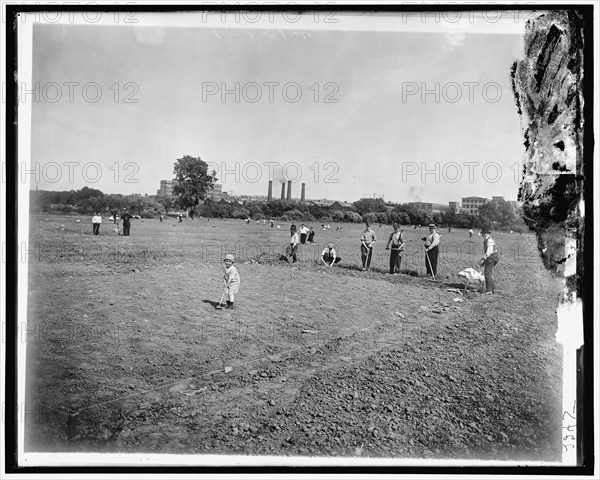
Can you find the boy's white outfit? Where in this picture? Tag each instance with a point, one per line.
(231, 276)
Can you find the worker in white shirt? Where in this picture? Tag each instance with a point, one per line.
(489, 260)
(329, 256)
(367, 240)
(96, 221)
(303, 233)
(293, 246)
(432, 243)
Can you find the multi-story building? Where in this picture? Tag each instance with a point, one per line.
(217, 193)
(251, 198)
(166, 188)
(433, 208)
(473, 203)
(456, 208)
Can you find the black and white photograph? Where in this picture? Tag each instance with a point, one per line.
(307, 236)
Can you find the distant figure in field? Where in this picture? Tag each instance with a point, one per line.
(126, 223)
(303, 233)
(489, 260)
(114, 216)
(396, 246)
(272, 223)
(367, 240)
(180, 218)
(432, 243)
(96, 221)
(247, 221)
(470, 232)
(162, 218)
(329, 256)
(311, 235)
(337, 229)
(449, 229)
(258, 222)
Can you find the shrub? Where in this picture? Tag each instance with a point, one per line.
(240, 213)
(337, 216)
(370, 217)
(294, 214)
(381, 217)
(353, 217)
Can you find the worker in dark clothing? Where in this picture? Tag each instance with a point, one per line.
(126, 223)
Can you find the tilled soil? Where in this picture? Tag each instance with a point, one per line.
(311, 362)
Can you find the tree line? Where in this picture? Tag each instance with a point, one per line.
(497, 215)
(88, 201)
(194, 183)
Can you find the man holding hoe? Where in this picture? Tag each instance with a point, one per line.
(489, 260)
(367, 239)
(292, 248)
(396, 241)
(432, 242)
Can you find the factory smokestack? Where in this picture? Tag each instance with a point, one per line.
(283, 191)
(289, 192)
(270, 193)
(303, 194)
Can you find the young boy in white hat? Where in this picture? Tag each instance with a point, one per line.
(231, 277)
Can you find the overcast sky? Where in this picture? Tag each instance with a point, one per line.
(341, 107)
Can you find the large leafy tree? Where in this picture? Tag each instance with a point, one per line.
(497, 213)
(367, 205)
(193, 181)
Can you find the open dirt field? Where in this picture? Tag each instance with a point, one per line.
(127, 353)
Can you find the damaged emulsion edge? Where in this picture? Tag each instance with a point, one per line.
(547, 85)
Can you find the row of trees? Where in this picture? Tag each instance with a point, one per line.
(494, 216)
(87, 201)
(194, 182)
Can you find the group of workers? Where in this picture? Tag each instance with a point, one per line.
(125, 216)
(396, 245)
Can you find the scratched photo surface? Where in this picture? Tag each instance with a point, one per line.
(163, 142)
